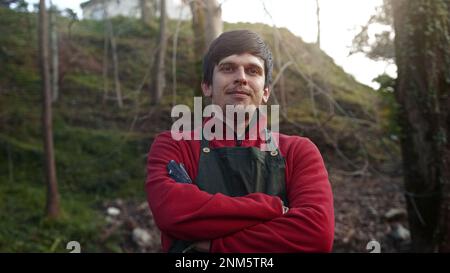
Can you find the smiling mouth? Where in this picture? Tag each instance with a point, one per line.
(238, 92)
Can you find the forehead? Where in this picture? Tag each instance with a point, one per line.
(243, 59)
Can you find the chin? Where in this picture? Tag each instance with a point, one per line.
(239, 102)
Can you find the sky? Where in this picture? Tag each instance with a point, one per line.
(340, 22)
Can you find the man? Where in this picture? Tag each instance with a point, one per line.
(243, 198)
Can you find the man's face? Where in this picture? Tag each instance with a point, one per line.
(238, 80)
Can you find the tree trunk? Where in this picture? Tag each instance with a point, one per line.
(281, 84)
(159, 82)
(174, 60)
(318, 23)
(115, 60)
(105, 63)
(214, 25)
(207, 25)
(52, 207)
(55, 53)
(198, 23)
(422, 90)
(145, 12)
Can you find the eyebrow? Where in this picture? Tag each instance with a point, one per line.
(251, 64)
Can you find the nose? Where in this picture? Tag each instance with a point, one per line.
(240, 76)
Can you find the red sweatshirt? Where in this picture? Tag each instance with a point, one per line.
(251, 223)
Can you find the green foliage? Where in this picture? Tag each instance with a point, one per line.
(383, 46)
(85, 81)
(388, 108)
(92, 166)
(25, 229)
(71, 14)
(20, 4)
(18, 51)
(92, 162)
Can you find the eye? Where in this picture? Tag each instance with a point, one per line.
(226, 68)
(254, 71)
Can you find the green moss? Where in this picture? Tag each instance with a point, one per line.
(91, 165)
(85, 81)
(25, 229)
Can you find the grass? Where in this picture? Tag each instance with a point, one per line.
(25, 229)
(92, 166)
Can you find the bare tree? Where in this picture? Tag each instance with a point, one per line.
(214, 25)
(54, 52)
(52, 207)
(117, 84)
(159, 82)
(145, 16)
(278, 63)
(174, 57)
(198, 23)
(422, 90)
(115, 60)
(105, 63)
(206, 25)
(318, 23)
(110, 39)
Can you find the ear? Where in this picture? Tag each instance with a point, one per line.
(266, 95)
(206, 89)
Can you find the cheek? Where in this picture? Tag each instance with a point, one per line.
(221, 83)
(260, 87)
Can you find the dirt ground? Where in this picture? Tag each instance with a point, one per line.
(367, 208)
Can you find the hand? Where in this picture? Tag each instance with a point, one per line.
(202, 246)
(285, 209)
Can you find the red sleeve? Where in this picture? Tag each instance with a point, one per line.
(308, 226)
(185, 212)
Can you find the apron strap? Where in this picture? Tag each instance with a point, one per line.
(269, 140)
(204, 143)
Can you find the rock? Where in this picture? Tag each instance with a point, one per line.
(113, 211)
(394, 137)
(143, 206)
(348, 236)
(119, 202)
(400, 233)
(395, 214)
(373, 212)
(141, 237)
(110, 220)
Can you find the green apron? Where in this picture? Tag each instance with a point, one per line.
(238, 171)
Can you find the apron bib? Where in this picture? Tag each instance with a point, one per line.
(237, 171)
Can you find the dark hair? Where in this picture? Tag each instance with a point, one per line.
(237, 42)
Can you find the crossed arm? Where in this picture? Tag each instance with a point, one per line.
(251, 223)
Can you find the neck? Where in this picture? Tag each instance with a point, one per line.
(239, 124)
(234, 128)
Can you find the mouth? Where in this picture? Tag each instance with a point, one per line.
(238, 92)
